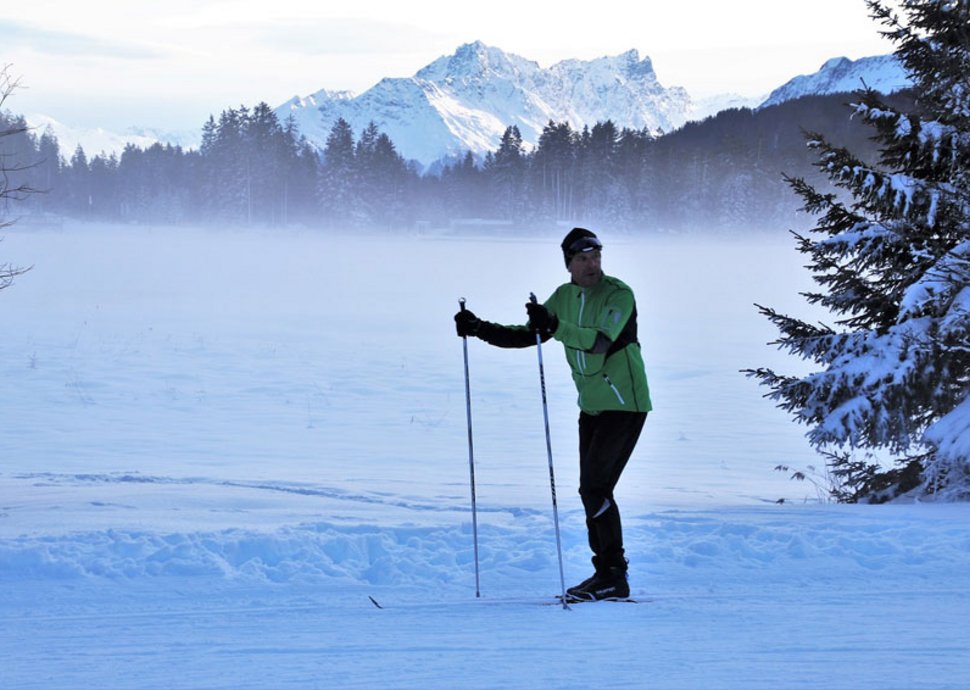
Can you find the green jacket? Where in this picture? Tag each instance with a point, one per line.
(598, 330)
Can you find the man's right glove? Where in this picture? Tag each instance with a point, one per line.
(466, 323)
(541, 320)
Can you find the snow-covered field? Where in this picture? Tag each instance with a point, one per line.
(215, 446)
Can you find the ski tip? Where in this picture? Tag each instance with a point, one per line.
(374, 602)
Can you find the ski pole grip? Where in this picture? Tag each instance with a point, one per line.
(461, 303)
(532, 298)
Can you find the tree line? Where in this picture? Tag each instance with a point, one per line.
(252, 169)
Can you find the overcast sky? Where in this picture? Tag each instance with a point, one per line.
(169, 64)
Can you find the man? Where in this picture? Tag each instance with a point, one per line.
(594, 316)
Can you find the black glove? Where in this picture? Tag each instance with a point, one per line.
(541, 320)
(466, 323)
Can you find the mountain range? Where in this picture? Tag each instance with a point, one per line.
(465, 101)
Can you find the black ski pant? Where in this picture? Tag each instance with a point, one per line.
(606, 441)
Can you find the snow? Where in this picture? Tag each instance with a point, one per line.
(882, 73)
(951, 433)
(217, 445)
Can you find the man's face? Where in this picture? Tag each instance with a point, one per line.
(585, 268)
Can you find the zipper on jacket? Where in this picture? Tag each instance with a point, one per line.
(615, 391)
(580, 355)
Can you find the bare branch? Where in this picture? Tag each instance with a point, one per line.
(8, 85)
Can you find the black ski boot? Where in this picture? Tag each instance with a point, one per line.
(609, 584)
(576, 590)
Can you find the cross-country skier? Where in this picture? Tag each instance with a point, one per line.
(594, 316)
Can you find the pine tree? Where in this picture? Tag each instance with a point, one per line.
(463, 190)
(506, 171)
(266, 161)
(226, 167)
(382, 174)
(49, 165)
(299, 176)
(103, 184)
(634, 173)
(79, 180)
(603, 195)
(893, 262)
(553, 169)
(338, 174)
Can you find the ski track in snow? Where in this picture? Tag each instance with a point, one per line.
(52, 479)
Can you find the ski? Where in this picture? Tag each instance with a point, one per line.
(553, 601)
(616, 600)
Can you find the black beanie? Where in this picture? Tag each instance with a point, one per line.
(572, 244)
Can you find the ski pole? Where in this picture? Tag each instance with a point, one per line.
(471, 454)
(552, 472)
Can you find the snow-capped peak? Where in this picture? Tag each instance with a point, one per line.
(475, 60)
(315, 100)
(884, 73)
(465, 101)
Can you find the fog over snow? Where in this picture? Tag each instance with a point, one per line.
(217, 445)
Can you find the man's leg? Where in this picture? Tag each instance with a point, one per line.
(606, 442)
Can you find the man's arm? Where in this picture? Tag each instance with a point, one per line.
(494, 333)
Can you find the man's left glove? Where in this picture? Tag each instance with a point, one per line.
(541, 320)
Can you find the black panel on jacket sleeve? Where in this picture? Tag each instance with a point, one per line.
(507, 336)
